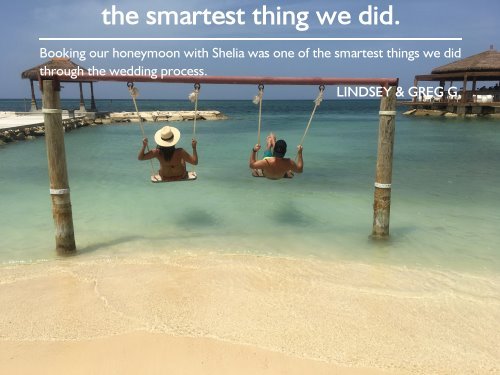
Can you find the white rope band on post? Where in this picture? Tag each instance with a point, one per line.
(387, 113)
(382, 186)
(51, 110)
(59, 191)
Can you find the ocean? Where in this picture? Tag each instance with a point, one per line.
(445, 210)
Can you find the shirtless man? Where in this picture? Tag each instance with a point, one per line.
(172, 160)
(277, 166)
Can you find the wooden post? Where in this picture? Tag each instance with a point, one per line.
(93, 107)
(383, 175)
(82, 102)
(58, 176)
(415, 84)
(34, 107)
(464, 90)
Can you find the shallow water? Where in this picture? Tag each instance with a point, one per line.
(445, 209)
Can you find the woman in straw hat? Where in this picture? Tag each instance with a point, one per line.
(172, 160)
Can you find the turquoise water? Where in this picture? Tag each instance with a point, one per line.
(446, 182)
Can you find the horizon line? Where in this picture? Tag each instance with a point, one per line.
(247, 39)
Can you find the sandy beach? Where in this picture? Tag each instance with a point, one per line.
(217, 314)
(149, 353)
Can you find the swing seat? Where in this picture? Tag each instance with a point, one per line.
(190, 177)
(259, 173)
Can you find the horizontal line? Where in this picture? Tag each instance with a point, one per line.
(249, 39)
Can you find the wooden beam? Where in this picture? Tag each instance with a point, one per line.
(480, 76)
(241, 80)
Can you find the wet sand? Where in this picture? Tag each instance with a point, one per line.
(214, 313)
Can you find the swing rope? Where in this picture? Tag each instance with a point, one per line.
(193, 97)
(317, 102)
(134, 93)
(257, 99)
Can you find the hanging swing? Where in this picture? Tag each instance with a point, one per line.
(193, 97)
(258, 100)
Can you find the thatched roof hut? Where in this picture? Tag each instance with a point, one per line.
(484, 66)
(487, 61)
(66, 65)
(458, 91)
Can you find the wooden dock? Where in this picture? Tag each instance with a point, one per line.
(452, 108)
(18, 126)
(21, 120)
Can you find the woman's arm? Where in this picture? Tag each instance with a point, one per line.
(145, 156)
(192, 159)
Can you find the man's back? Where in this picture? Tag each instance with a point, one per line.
(278, 166)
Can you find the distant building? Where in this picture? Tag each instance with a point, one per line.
(470, 97)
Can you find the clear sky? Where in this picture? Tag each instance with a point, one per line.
(23, 22)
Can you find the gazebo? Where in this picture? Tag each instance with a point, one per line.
(63, 65)
(482, 67)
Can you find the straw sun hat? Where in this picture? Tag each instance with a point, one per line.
(167, 136)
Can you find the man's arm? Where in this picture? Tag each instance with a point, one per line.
(299, 166)
(255, 164)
